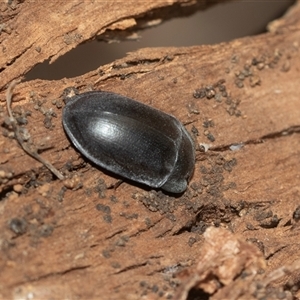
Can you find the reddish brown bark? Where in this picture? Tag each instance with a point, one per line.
(83, 238)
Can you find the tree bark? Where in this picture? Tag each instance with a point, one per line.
(231, 235)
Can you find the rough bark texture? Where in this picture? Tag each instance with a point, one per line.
(232, 235)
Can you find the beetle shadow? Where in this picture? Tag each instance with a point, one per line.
(128, 181)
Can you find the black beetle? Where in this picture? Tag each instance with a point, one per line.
(131, 139)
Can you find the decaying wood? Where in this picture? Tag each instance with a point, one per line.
(86, 236)
(33, 32)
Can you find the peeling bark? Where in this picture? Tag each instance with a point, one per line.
(84, 238)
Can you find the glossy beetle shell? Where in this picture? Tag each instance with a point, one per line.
(131, 139)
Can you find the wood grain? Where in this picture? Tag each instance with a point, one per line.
(82, 238)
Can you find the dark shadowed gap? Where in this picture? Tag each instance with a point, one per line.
(221, 23)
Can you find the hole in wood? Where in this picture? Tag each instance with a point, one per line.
(220, 23)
